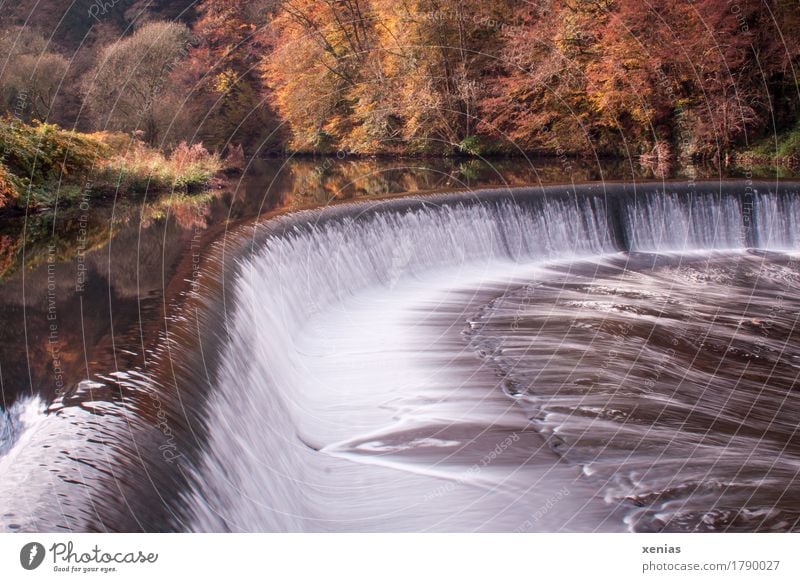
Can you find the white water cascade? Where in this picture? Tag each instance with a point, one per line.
(349, 400)
(453, 363)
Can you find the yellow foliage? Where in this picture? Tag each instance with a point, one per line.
(224, 81)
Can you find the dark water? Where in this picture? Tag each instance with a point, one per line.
(121, 257)
(137, 394)
(112, 266)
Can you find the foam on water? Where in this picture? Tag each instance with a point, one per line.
(345, 348)
(357, 386)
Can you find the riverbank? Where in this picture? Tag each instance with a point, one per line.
(781, 152)
(43, 166)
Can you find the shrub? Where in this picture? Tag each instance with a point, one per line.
(51, 164)
(771, 151)
(43, 151)
(137, 167)
(470, 145)
(8, 188)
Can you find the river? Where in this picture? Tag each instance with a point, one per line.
(306, 351)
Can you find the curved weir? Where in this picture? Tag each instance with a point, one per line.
(545, 359)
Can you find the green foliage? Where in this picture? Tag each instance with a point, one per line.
(470, 145)
(789, 144)
(44, 152)
(782, 150)
(43, 165)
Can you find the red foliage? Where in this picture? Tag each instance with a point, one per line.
(616, 73)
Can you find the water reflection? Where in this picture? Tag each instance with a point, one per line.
(120, 257)
(87, 296)
(320, 181)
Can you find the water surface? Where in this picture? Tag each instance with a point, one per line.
(481, 361)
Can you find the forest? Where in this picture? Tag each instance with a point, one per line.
(400, 266)
(660, 80)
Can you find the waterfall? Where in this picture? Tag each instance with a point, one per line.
(269, 418)
(777, 219)
(314, 269)
(679, 222)
(348, 390)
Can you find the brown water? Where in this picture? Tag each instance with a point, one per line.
(108, 381)
(114, 267)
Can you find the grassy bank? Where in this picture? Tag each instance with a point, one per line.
(781, 151)
(43, 164)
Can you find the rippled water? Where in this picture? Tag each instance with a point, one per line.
(598, 359)
(669, 379)
(367, 349)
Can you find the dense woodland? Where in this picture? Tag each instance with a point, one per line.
(663, 78)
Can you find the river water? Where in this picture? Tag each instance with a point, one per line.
(602, 357)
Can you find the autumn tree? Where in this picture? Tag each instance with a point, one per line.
(437, 56)
(124, 88)
(322, 48)
(622, 76)
(538, 100)
(382, 75)
(225, 97)
(30, 75)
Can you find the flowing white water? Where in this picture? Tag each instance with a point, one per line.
(348, 401)
(360, 386)
(335, 387)
(673, 222)
(778, 218)
(76, 464)
(672, 382)
(45, 451)
(18, 422)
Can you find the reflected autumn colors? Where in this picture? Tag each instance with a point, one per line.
(119, 256)
(116, 318)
